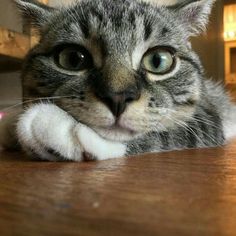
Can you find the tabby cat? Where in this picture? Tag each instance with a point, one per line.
(114, 78)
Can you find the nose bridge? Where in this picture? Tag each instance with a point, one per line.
(117, 87)
(118, 76)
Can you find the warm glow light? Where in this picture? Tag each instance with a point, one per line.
(230, 22)
(231, 34)
(1, 115)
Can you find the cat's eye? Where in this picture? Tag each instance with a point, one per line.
(159, 60)
(73, 58)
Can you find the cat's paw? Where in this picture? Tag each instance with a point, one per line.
(96, 147)
(50, 133)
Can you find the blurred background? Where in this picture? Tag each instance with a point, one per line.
(217, 48)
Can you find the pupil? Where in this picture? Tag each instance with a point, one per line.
(156, 60)
(74, 59)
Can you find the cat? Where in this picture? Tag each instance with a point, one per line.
(116, 78)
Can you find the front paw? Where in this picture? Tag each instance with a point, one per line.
(46, 131)
(50, 133)
(96, 147)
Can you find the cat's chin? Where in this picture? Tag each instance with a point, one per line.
(116, 133)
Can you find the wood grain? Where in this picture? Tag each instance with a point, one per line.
(191, 192)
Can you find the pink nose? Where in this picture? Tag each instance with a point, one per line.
(117, 102)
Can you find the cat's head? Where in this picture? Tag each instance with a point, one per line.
(122, 67)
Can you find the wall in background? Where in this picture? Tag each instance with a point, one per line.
(10, 84)
(10, 89)
(8, 17)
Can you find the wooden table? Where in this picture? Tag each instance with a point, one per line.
(180, 193)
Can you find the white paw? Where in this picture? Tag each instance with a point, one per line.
(46, 130)
(97, 146)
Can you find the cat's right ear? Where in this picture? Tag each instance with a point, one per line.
(193, 15)
(34, 13)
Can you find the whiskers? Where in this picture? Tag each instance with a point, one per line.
(41, 99)
(198, 122)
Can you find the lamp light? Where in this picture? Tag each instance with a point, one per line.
(230, 22)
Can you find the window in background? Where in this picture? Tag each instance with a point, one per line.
(230, 43)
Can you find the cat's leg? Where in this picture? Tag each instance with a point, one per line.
(8, 139)
(49, 132)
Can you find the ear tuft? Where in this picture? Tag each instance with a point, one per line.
(33, 12)
(194, 15)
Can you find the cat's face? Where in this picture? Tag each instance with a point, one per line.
(122, 67)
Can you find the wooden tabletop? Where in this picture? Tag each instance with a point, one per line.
(180, 193)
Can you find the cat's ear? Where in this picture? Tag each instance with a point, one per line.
(194, 15)
(33, 12)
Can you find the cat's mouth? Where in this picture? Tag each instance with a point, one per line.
(117, 132)
(121, 128)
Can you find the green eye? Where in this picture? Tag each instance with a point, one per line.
(159, 61)
(73, 58)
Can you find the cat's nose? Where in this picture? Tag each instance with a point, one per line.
(117, 102)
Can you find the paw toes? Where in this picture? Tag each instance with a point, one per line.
(88, 156)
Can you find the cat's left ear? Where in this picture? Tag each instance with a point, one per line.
(34, 12)
(194, 15)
